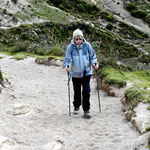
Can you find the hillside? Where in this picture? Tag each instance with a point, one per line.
(102, 21)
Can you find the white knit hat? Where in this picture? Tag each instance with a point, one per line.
(77, 32)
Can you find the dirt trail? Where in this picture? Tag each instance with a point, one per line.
(34, 113)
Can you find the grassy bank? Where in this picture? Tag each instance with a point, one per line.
(139, 92)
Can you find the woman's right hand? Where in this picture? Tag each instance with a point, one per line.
(67, 69)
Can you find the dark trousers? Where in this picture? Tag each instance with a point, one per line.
(85, 97)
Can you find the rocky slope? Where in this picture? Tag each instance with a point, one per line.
(117, 7)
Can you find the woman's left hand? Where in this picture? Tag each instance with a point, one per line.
(95, 67)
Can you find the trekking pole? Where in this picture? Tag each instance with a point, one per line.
(69, 91)
(1, 82)
(98, 91)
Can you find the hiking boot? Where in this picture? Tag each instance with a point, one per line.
(87, 114)
(76, 111)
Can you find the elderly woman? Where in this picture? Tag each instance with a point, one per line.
(79, 60)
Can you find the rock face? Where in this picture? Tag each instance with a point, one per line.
(141, 143)
(11, 9)
(19, 109)
(139, 117)
(55, 144)
(113, 90)
(116, 6)
(49, 62)
(8, 10)
(7, 144)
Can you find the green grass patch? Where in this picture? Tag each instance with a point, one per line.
(19, 57)
(140, 91)
(148, 108)
(148, 129)
(149, 142)
(139, 77)
(42, 10)
(1, 57)
(1, 76)
(49, 57)
(19, 47)
(78, 8)
(49, 13)
(112, 76)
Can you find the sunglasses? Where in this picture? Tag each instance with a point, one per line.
(78, 39)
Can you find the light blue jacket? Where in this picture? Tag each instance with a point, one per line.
(80, 58)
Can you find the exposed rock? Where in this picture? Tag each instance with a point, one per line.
(139, 117)
(125, 16)
(8, 9)
(142, 119)
(141, 142)
(55, 144)
(7, 144)
(19, 109)
(113, 90)
(49, 62)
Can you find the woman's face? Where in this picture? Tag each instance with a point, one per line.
(78, 40)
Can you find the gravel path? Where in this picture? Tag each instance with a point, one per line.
(34, 113)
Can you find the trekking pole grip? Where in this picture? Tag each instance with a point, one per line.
(68, 67)
(96, 69)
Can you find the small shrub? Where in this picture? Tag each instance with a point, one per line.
(148, 129)
(104, 14)
(149, 141)
(25, 36)
(61, 7)
(14, 1)
(147, 19)
(109, 26)
(1, 57)
(120, 82)
(139, 13)
(4, 11)
(144, 59)
(40, 51)
(96, 45)
(148, 108)
(1, 76)
(22, 46)
(133, 94)
(131, 6)
(19, 57)
(110, 18)
(56, 51)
